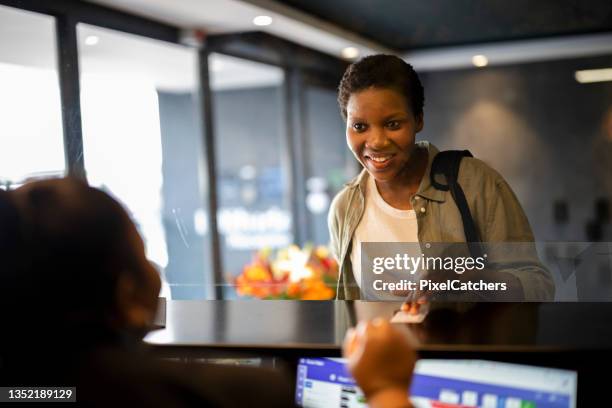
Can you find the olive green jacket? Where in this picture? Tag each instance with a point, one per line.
(497, 214)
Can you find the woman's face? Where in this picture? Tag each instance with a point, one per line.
(381, 131)
(137, 298)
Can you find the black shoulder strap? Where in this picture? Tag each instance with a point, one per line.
(447, 163)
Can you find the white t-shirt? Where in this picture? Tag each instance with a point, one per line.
(381, 223)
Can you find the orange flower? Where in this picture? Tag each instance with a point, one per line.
(257, 273)
(294, 289)
(315, 289)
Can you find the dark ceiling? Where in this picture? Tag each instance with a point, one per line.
(409, 24)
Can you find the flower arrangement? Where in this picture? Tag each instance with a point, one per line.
(308, 273)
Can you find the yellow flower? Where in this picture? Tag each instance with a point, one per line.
(257, 273)
(322, 252)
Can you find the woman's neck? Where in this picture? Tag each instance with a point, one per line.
(397, 192)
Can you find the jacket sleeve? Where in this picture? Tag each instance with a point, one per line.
(333, 223)
(333, 227)
(346, 288)
(510, 243)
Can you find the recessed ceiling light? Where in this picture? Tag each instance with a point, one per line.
(593, 75)
(350, 53)
(262, 20)
(480, 60)
(92, 40)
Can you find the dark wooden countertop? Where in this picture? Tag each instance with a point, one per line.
(312, 325)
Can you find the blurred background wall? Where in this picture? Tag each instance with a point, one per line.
(547, 134)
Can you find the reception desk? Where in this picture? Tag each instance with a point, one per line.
(575, 336)
(250, 328)
(264, 327)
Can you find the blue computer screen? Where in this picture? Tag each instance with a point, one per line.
(326, 383)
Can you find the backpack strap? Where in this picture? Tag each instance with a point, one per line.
(447, 163)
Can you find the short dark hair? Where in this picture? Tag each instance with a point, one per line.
(62, 243)
(382, 71)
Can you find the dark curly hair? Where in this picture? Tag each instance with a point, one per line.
(61, 243)
(382, 71)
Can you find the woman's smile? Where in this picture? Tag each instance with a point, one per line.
(378, 161)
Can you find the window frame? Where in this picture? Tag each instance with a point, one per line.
(300, 64)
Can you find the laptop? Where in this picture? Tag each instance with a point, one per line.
(326, 383)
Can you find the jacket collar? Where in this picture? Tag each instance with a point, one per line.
(426, 190)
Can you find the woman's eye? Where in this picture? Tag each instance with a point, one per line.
(359, 127)
(393, 124)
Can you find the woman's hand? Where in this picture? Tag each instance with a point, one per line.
(381, 358)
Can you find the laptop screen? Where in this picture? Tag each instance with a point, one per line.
(325, 383)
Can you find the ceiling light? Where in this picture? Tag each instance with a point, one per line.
(480, 61)
(594, 75)
(350, 53)
(262, 20)
(92, 40)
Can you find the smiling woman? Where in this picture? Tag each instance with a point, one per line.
(381, 132)
(393, 200)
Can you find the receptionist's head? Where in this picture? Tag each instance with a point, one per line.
(73, 259)
(381, 99)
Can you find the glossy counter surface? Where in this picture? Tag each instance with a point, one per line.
(322, 325)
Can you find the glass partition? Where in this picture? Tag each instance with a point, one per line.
(330, 163)
(254, 212)
(142, 144)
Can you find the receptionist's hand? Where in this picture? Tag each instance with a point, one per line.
(381, 358)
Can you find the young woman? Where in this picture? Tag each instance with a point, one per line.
(392, 200)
